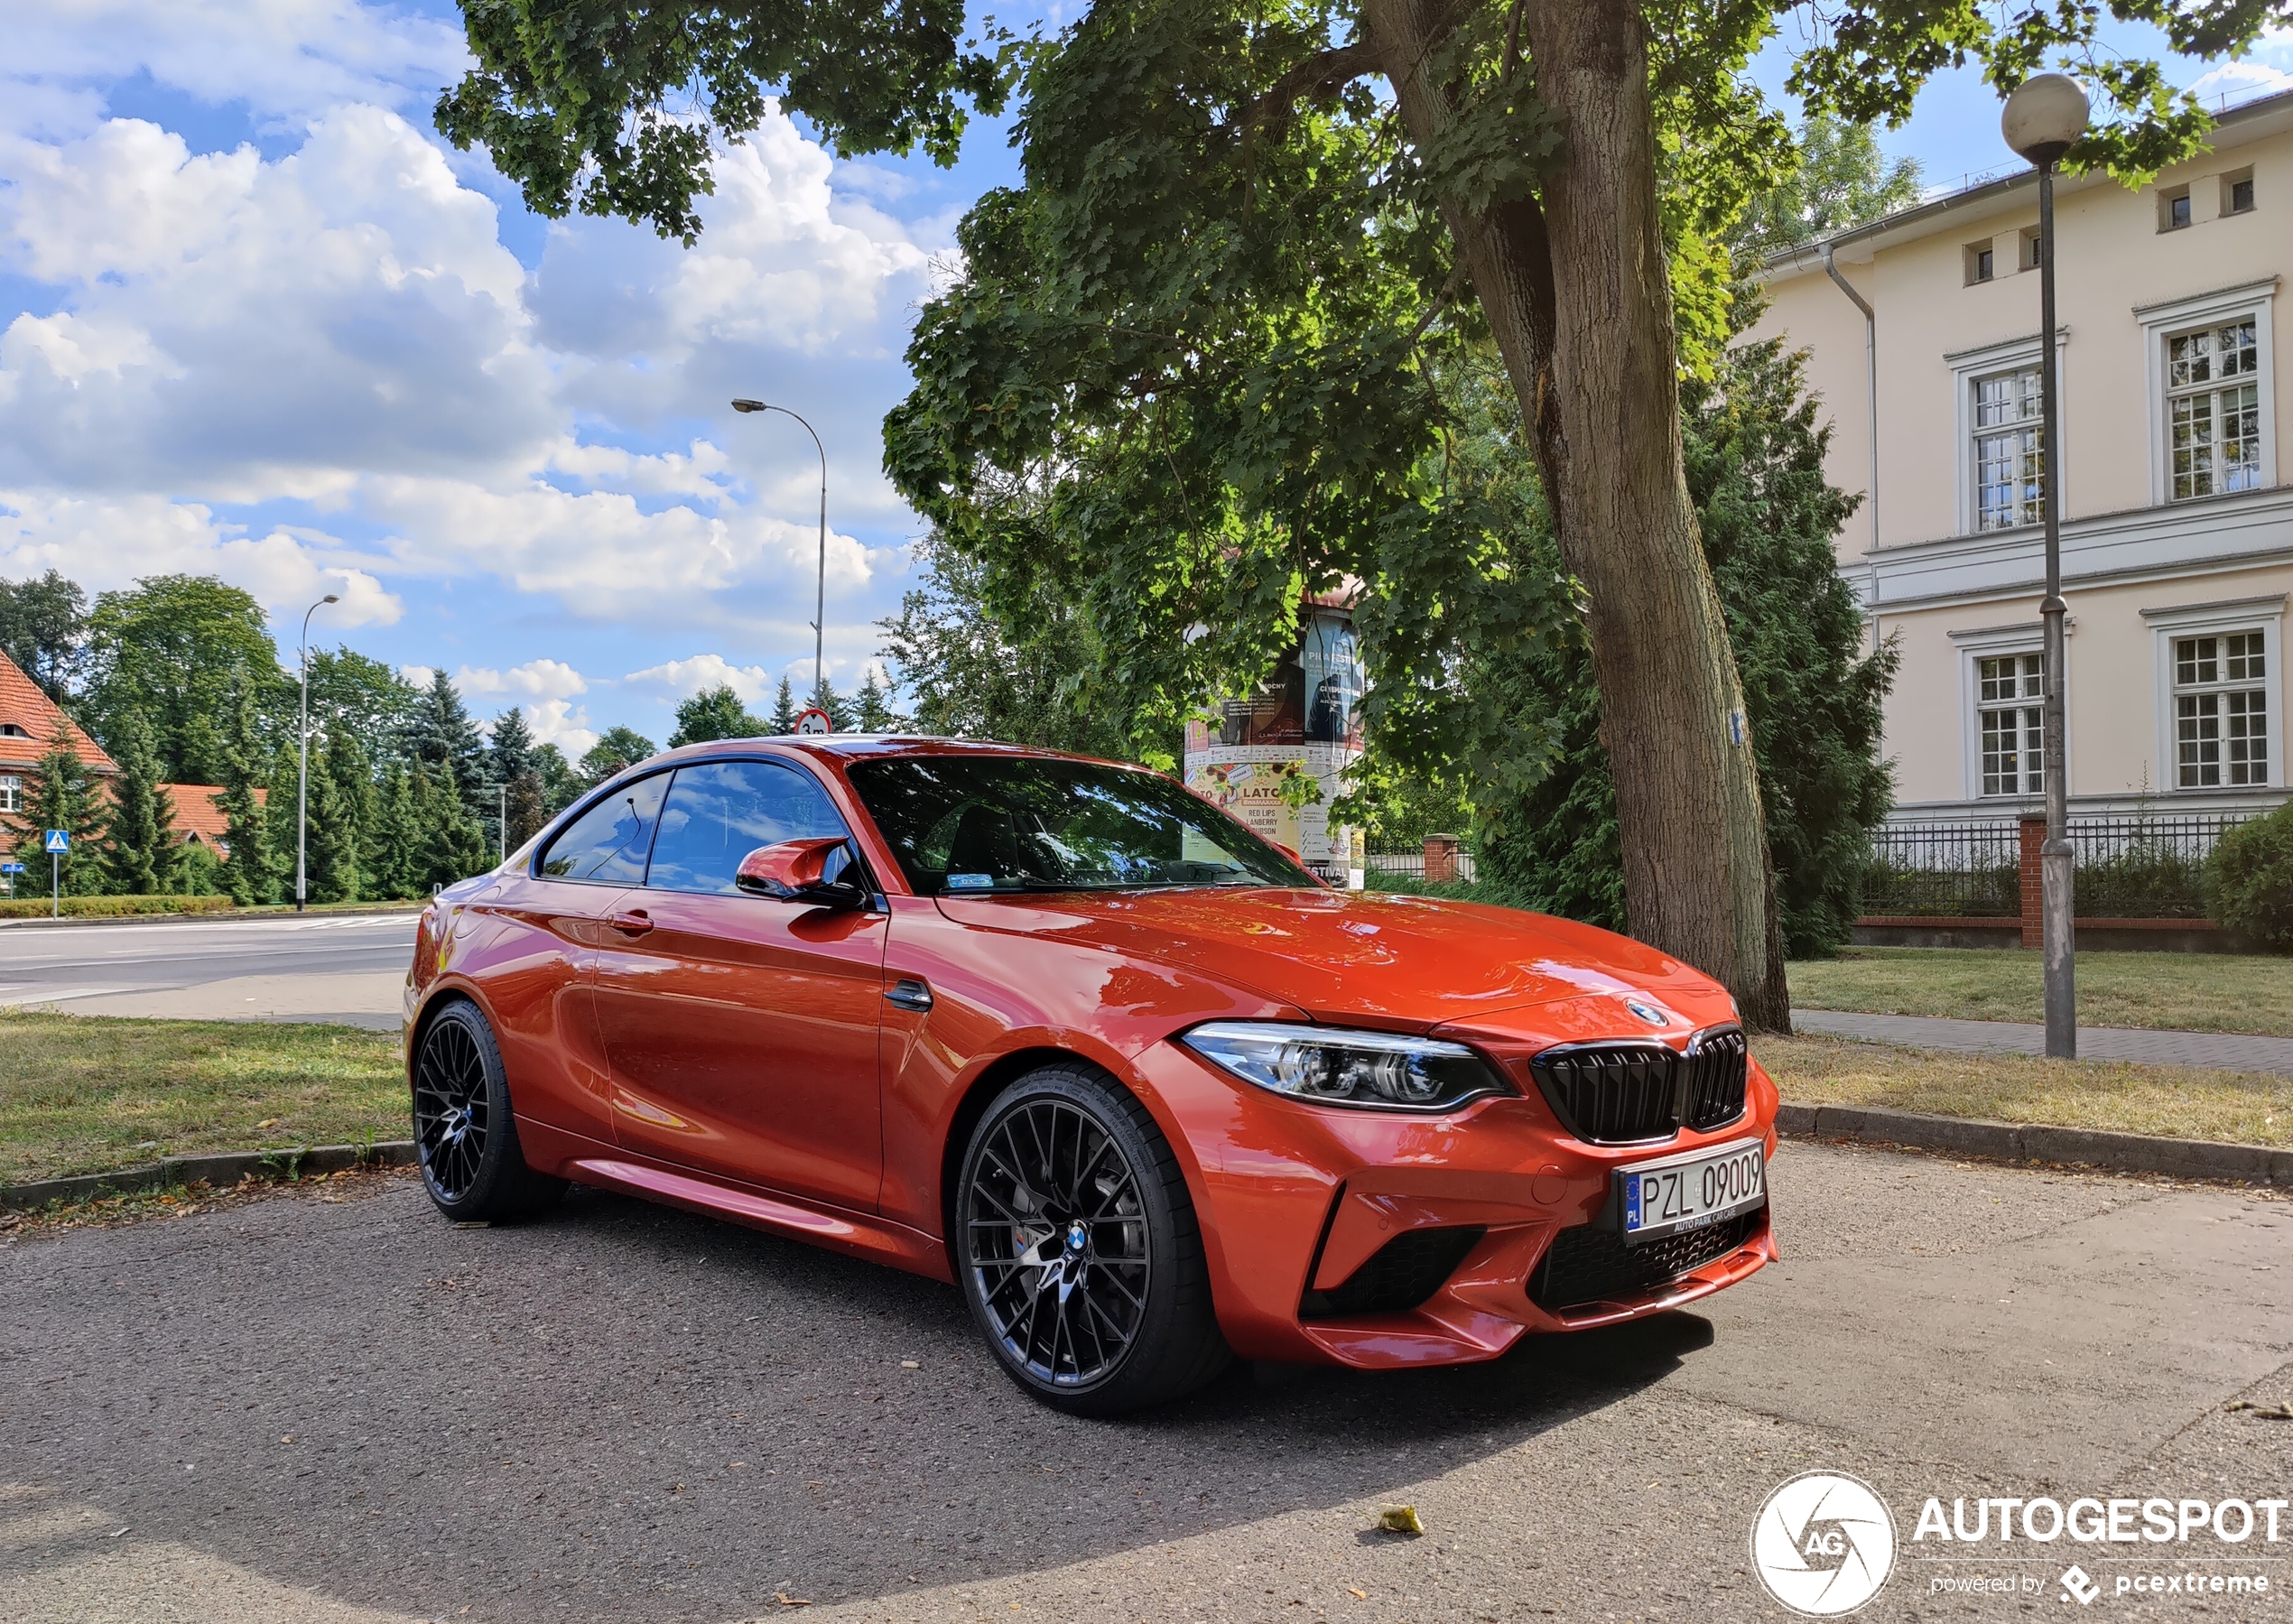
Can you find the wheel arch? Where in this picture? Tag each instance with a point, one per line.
(998, 1074)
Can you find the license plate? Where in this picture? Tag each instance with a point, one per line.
(1689, 1192)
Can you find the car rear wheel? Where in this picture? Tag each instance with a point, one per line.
(1078, 1249)
(465, 1136)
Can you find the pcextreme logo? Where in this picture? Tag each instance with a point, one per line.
(1824, 1543)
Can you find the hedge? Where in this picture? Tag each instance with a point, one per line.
(111, 907)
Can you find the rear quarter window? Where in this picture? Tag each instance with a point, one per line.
(608, 844)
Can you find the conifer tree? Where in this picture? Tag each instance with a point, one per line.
(139, 850)
(443, 736)
(872, 709)
(60, 793)
(344, 840)
(454, 847)
(251, 875)
(511, 751)
(784, 707)
(839, 709)
(401, 816)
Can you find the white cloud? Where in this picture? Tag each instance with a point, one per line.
(685, 678)
(2240, 81)
(562, 723)
(284, 59)
(542, 679)
(107, 542)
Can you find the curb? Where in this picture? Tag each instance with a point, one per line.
(225, 1168)
(2034, 1142)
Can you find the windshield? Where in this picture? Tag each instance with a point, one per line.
(973, 825)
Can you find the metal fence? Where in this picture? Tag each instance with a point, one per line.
(2130, 868)
(1409, 863)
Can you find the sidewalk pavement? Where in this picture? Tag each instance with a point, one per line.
(2220, 1051)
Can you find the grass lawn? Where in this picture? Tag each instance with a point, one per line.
(2249, 1107)
(2188, 992)
(87, 1094)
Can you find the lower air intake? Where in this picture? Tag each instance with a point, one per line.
(1589, 1265)
(1401, 1275)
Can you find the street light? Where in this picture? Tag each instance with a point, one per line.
(2042, 119)
(303, 744)
(820, 609)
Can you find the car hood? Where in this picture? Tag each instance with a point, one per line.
(1397, 962)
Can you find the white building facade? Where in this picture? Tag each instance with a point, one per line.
(2176, 532)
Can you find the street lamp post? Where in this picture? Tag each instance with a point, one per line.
(2042, 119)
(820, 609)
(302, 747)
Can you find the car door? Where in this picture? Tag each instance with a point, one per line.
(531, 946)
(741, 1030)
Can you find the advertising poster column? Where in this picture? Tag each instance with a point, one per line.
(1277, 759)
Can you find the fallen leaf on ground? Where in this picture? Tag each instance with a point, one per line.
(785, 1599)
(1356, 1595)
(2267, 1411)
(1400, 1519)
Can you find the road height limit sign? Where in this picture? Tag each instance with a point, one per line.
(815, 720)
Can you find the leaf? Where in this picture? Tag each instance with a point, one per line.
(1399, 1519)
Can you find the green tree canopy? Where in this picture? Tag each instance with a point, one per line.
(60, 793)
(616, 748)
(442, 737)
(168, 650)
(1838, 179)
(43, 623)
(714, 713)
(139, 847)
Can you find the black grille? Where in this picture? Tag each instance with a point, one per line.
(1715, 1068)
(1402, 1274)
(1591, 1265)
(1620, 1093)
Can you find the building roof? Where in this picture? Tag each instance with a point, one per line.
(199, 813)
(28, 720)
(1999, 191)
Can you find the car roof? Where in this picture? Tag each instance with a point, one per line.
(862, 746)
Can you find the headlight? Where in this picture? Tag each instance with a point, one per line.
(1376, 1070)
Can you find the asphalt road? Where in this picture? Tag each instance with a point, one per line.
(348, 968)
(316, 1410)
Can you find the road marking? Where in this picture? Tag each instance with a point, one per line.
(16, 1000)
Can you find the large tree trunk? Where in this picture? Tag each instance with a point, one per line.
(1579, 298)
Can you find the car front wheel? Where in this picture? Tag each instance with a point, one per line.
(465, 1136)
(1078, 1249)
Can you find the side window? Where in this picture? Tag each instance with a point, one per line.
(607, 845)
(720, 812)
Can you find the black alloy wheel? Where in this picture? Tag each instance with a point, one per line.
(1079, 1250)
(465, 1136)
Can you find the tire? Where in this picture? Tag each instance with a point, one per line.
(1077, 1248)
(465, 1136)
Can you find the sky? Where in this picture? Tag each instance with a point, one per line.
(257, 320)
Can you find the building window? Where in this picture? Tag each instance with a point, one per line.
(1981, 264)
(2007, 444)
(2010, 708)
(2172, 208)
(2214, 410)
(11, 792)
(2220, 711)
(2029, 253)
(2237, 193)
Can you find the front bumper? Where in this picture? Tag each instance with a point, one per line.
(1302, 1203)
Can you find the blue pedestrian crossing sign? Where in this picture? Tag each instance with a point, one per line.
(59, 841)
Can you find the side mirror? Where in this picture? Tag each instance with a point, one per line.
(797, 871)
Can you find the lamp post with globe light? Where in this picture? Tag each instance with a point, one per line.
(303, 746)
(820, 606)
(2044, 117)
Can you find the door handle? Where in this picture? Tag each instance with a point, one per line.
(909, 993)
(632, 924)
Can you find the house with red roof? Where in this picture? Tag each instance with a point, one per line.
(28, 722)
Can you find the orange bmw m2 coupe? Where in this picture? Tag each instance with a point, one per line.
(1063, 1032)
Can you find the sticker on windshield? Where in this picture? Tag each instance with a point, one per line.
(971, 882)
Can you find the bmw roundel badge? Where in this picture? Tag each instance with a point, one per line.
(1649, 1012)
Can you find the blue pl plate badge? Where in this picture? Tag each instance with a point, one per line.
(971, 882)
(1632, 1203)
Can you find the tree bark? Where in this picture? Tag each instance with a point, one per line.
(1578, 295)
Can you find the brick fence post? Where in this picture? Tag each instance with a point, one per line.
(1440, 860)
(2034, 836)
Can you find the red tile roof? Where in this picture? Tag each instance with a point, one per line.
(199, 813)
(28, 722)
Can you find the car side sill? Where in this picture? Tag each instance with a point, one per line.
(877, 1239)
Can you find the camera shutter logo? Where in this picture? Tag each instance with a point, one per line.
(1824, 1543)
